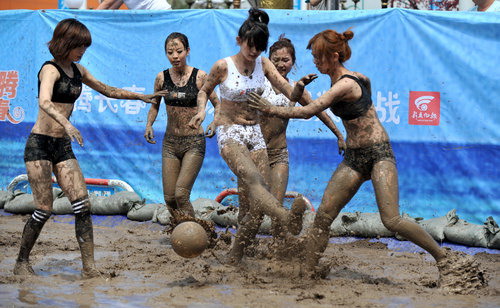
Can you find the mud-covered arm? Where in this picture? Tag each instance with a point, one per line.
(153, 111)
(325, 118)
(280, 83)
(214, 78)
(329, 98)
(113, 92)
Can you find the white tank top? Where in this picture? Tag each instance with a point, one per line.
(280, 99)
(147, 4)
(236, 86)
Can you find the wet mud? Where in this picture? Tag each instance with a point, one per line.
(143, 270)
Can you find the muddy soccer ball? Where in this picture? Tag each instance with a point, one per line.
(189, 239)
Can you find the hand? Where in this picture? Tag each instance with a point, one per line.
(307, 79)
(197, 120)
(74, 134)
(148, 134)
(148, 98)
(258, 102)
(210, 132)
(342, 146)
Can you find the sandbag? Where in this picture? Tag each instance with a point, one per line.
(494, 240)
(143, 212)
(62, 206)
(205, 208)
(435, 226)
(117, 204)
(23, 203)
(5, 196)
(225, 216)
(162, 216)
(364, 225)
(467, 234)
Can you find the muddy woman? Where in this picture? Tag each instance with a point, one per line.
(48, 148)
(183, 148)
(239, 136)
(368, 156)
(282, 55)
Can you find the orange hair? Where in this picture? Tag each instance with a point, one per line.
(329, 41)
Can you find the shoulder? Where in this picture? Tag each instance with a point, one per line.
(49, 69)
(222, 63)
(160, 75)
(265, 61)
(200, 74)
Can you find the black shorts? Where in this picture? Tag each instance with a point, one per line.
(43, 147)
(363, 159)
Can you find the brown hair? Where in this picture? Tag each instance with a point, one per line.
(68, 34)
(283, 42)
(330, 41)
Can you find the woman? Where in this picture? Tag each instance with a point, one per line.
(368, 156)
(282, 55)
(183, 146)
(239, 137)
(48, 148)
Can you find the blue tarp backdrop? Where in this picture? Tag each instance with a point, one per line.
(435, 83)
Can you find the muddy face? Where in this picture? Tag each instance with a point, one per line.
(282, 60)
(176, 53)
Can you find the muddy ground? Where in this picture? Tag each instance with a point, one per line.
(146, 272)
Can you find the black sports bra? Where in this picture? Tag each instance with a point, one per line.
(180, 96)
(352, 110)
(66, 90)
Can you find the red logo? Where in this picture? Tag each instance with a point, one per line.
(424, 108)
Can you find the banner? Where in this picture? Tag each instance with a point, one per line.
(434, 79)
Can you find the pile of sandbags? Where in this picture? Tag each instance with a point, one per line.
(117, 204)
(447, 228)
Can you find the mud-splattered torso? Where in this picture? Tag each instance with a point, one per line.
(65, 92)
(274, 128)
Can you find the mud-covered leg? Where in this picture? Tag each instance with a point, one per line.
(342, 186)
(247, 230)
(85, 236)
(30, 234)
(39, 175)
(458, 272)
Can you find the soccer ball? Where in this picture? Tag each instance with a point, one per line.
(189, 239)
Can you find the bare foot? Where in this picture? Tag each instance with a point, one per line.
(92, 272)
(460, 273)
(297, 210)
(319, 271)
(23, 268)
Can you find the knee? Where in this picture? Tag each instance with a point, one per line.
(182, 195)
(253, 179)
(392, 223)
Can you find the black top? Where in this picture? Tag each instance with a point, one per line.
(66, 90)
(180, 96)
(352, 110)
